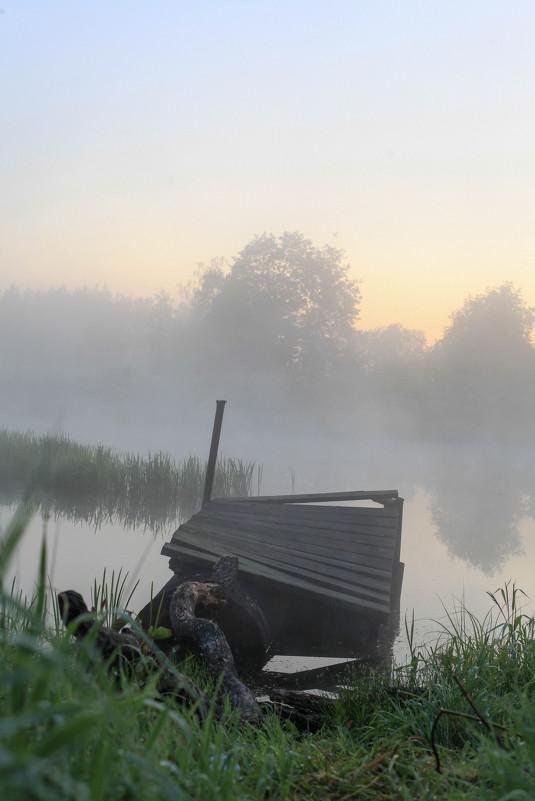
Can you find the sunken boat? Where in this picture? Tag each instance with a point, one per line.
(319, 574)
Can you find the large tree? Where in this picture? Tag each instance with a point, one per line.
(282, 299)
(490, 328)
(482, 369)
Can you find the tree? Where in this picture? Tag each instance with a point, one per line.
(282, 300)
(483, 367)
(392, 348)
(491, 328)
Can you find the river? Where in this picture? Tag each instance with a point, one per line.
(439, 575)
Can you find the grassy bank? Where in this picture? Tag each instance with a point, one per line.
(94, 483)
(69, 732)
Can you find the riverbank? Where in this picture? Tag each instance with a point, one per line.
(69, 732)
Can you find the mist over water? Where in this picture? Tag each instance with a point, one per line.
(467, 529)
(468, 522)
(317, 403)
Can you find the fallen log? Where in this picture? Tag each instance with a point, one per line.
(208, 636)
(126, 650)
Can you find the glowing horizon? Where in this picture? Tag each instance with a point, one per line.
(139, 143)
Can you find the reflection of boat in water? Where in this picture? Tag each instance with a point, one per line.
(317, 577)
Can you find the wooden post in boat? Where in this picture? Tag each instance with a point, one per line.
(212, 458)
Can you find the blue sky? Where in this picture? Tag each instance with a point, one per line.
(139, 139)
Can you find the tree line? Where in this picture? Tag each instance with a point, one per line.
(276, 330)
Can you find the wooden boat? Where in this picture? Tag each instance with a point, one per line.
(318, 574)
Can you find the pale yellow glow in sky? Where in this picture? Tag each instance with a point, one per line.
(141, 139)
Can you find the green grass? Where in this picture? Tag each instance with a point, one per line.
(95, 484)
(68, 732)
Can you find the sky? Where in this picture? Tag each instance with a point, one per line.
(139, 139)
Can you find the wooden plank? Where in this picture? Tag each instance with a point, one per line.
(321, 529)
(288, 508)
(305, 511)
(337, 577)
(278, 532)
(310, 550)
(334, 576)
(343, 545)
(314, 527)
(297, 583)
(380, 558)
(361, 527)
(323, 580)
(362, 575)
(321, 497)
(341, 553)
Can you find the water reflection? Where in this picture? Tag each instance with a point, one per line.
(78, 554)
(478, 497)
(130, 511)
(468, 528)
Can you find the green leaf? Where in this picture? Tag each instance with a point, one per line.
(160, 633)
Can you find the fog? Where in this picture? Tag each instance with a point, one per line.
(319, 402)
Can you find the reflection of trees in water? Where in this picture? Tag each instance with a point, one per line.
(479, 495)
(96, 485)
(155, 518)
(132, 512)
(481, 531)
(96, 512)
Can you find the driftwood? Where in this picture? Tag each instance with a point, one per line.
(208, 635)
(130, 651)
(126, 650)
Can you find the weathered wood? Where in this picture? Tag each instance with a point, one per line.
(258, 568)
(320, 512)
(323, 497)
(365, 572)
(126, 650)
(207, 634)
(324, 509)
(294, 560)
(339, 556)
(342, 553)
(309, 551)
(336, 578)
(361, 571)
(212, 457)
(321, 519)
(380, 557)
(352, 537)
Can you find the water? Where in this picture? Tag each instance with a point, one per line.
(77, 555)
(435, 578)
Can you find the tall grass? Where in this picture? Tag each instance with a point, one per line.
(96, 484)
(67, 731)
(470, 696)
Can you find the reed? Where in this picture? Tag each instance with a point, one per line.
(95, 484)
